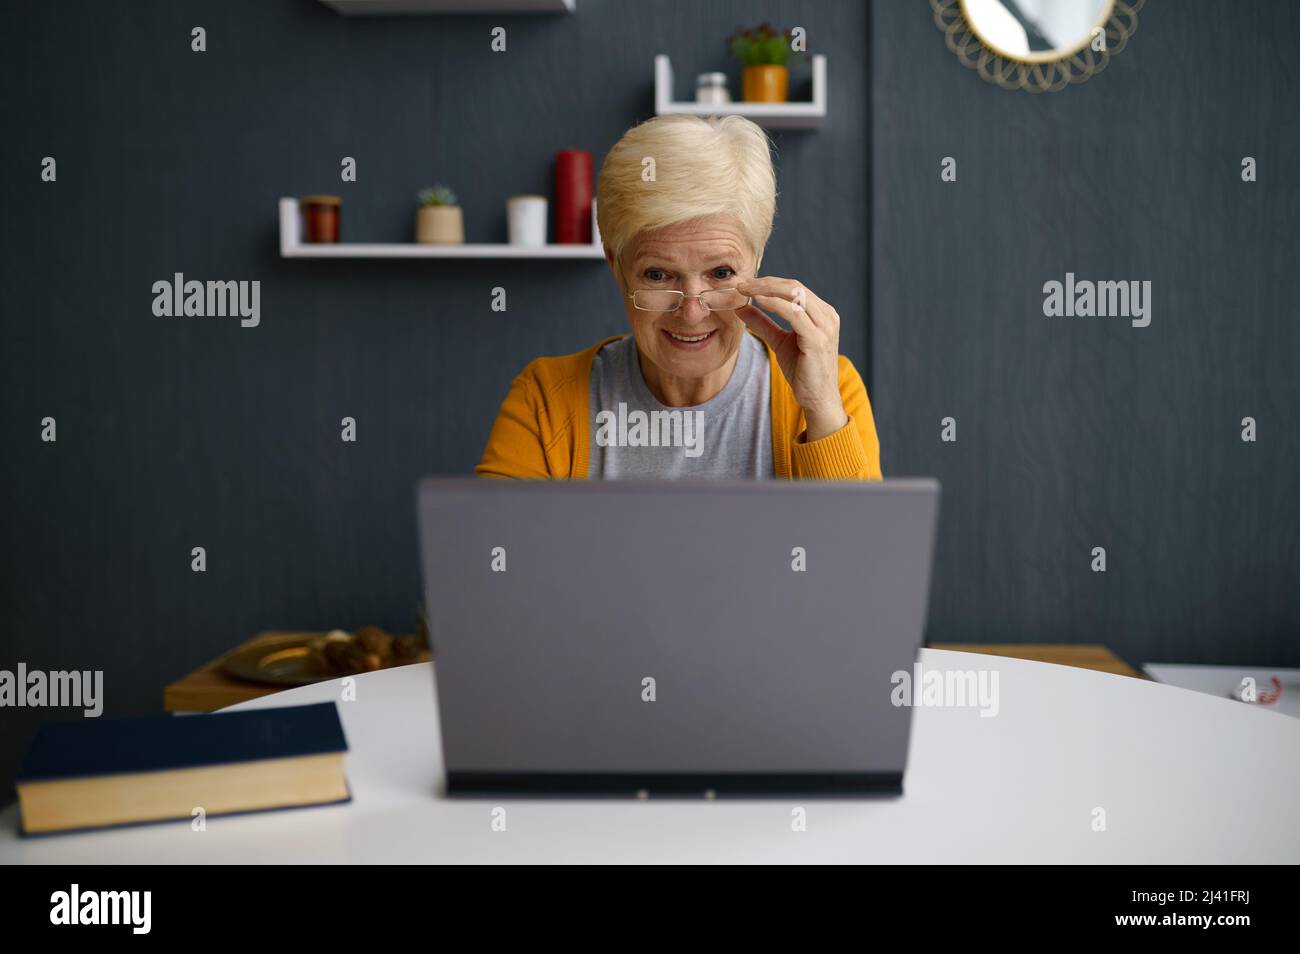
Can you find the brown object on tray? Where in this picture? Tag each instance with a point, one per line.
(298, 659)
(251, 671)
(374, 640)
(408, 649)
(345, 657)
(370, 648)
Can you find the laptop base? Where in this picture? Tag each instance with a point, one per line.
(675, 784)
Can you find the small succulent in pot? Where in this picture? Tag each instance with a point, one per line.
(765, 53)
(439, 221)
(762, 46)
(436, 195)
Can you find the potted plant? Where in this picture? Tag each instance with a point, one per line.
(439, 220)
(765, 54)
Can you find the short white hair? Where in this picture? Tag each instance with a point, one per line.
(673, 169)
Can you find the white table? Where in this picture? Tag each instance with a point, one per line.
(1182, 776)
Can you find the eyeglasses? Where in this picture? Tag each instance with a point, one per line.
(664, 299)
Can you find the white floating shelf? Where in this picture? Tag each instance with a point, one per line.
(769, 115)
(365, 7)
(292, 246)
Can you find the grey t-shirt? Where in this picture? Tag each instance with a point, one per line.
(634, 436)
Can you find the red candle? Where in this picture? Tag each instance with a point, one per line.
(573, 197)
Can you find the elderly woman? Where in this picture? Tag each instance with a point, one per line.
(706, 385)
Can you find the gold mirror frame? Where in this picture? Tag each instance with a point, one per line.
(1036, 74)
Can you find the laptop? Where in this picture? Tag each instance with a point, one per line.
(683, 638)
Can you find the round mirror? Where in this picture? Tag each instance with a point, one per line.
(1037, 31)
(1037, 45)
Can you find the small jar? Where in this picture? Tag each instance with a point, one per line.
(711, 89)
(320, 217)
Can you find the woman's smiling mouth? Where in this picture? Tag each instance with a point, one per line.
(690, 342)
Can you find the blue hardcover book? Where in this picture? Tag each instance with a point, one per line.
(98, 773)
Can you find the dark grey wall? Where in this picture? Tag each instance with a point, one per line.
(1075, 433)
(175, 434)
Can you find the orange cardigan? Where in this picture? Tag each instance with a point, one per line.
(543, 428)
